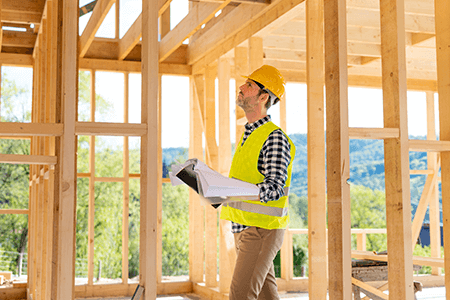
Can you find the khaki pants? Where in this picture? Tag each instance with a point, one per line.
(254, 276)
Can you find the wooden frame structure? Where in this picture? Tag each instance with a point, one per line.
(396, 45)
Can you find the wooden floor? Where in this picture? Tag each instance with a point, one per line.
(436, 293)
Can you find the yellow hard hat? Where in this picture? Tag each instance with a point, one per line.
(270, 78)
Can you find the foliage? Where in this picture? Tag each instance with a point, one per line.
(175, 231)
(425, 251)
(368, 210)
(15, 103)
(14, 179)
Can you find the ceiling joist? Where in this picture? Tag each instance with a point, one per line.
(198, 15)
(98, 15)
(24, 11)
(224, 42)
(131, 38)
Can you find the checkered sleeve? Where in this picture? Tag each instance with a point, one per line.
(273, 163)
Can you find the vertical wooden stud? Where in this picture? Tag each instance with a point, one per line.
(117, 20)
(91, 205)
(240, 69)
(196, 211)
(159, 191)
(317, 247)
(396, 151)
(210, 212)
(165, 23)
(283, 120)
(442, 11)
(227, 254)
(126, 184)
(336, 82)
(149, 149)
(255, 52)
(361, 241)
(67, 158)
(434, 212)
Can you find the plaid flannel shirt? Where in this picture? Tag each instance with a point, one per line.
(273, 162)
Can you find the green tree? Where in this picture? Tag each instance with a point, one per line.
(368, 210)
(14, 179)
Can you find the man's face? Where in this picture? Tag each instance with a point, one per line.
(248, 95)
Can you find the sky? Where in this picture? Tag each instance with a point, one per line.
(365, 105)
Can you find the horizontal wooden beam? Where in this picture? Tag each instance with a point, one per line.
(21, 18)
(14, 211)
(353, 231)
(16, 60)
(364, 81)
(28, 159)
(24, 11)
(12, 129)
(18, 39)
(131, 66)
(110, 129)
(424, 7)
(417, 260)
(429, 146)
(109, 49)
(373, 133)
(421, 172)
(98, 15)
(127, 290)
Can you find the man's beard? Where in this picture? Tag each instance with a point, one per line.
(243, 102)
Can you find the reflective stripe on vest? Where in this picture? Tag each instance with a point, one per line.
(259, 209)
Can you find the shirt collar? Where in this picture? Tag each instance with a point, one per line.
(252, 126)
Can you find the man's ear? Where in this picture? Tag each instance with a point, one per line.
(264, 97)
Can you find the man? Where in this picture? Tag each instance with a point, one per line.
(263, 157)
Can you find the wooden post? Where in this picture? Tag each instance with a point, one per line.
(283, 106)
(91, 214)
(442, 11)
(65, 209)
(165, 23)
(196, 211)
(361, 241)
(317, 231)
(126, 182)
(240, 68)
(117, 20)
(210, 212)
(435, 227)
(149, 149)
(396, 150)
(336, 82)
(159, 192)
(255, 52)
(227, 254)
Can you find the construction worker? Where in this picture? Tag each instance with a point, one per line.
(263, 157)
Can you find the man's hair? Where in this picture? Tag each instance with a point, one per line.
(269, 99)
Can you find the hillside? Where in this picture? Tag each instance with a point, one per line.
(366, 166)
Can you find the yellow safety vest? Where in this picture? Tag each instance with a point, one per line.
(270, 215)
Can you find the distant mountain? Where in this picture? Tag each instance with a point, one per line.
(366, 166)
